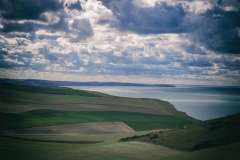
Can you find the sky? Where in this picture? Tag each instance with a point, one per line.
(139, 41)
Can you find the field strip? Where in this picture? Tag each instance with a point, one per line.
(82, 137)
(78, 128)
(82, 107)
(124, 127)
(50, 141)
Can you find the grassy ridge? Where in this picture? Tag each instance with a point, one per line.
(137, 121)
(46, 90)
(19, 98)
(211, 133)
(39, 95)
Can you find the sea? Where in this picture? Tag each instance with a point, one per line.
(199, 102)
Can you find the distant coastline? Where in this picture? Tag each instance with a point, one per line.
(67, 83)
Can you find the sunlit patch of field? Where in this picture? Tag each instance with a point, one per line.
(137, 121)
(12, 149)
(78, 128)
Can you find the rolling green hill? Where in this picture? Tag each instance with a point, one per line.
(45, 90)
(196, 136)
(32, 108)
(137, 121)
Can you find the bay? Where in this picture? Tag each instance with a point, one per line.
(200, 102)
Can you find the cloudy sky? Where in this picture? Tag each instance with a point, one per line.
(144, 41)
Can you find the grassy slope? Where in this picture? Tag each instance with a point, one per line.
(137, 121)
(39, 95)
(46, 90)
(28, 96)
(200, 135)
(229, 152)
(177, 138)
(19, 149)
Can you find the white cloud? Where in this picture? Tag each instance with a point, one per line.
(51, 17)
(238, 30)
(198, 7)
(95, 12)
(91, 48)
(144, 3)
(10, 41)
(22, 41)
(230, 5)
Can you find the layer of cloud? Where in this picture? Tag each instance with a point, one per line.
(165, 41)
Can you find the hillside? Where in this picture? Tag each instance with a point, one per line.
(24, 106)
(63, 123)
(196, 136)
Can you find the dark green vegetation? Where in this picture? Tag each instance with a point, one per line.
(211, 133)
(137, 121)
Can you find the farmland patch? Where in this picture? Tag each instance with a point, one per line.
(79, 128)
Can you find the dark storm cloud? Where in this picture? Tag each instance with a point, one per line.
(162, 18)
(31, 26)
(193, 49)
(229, 63)
(76, 6)
(27, 9)
(12, 26)
(220, 34)
(197, 63)
(29, 16)
(3, 52)
(218, 29)
(15, 59)
(34, 10)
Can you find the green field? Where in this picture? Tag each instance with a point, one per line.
(137, 121)
(33, 120)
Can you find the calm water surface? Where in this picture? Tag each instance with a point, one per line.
(200, 102)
